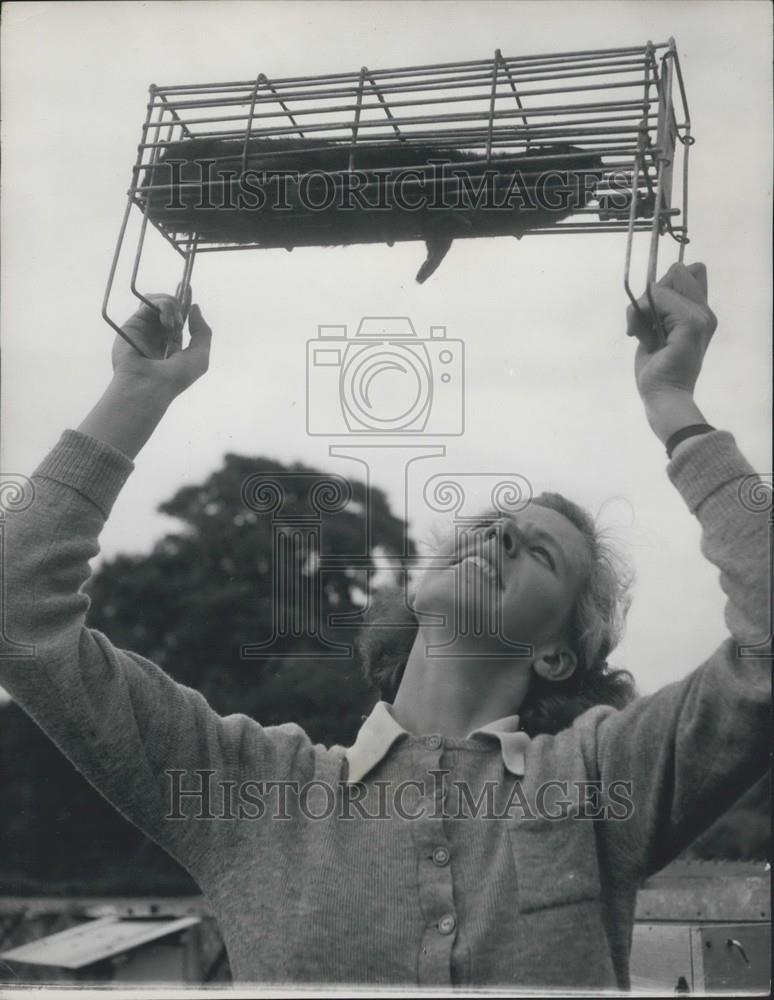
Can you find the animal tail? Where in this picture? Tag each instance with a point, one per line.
(436, 251)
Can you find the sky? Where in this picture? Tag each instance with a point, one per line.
(550, 394)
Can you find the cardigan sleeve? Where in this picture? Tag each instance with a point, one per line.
(123, 722)
(686, 753)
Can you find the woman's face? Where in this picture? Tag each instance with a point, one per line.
(510, 579)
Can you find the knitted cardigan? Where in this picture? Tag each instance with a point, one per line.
(309, 887)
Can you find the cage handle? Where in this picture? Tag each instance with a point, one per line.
(655, 321)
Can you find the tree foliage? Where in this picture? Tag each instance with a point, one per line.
(189, 605)
(209, 588)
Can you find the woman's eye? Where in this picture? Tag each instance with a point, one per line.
(545, 554)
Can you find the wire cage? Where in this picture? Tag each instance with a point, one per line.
(605, 119)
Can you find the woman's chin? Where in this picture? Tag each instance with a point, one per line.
(476, 611)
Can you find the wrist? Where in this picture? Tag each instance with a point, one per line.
(128, 413)
(141, 390)
(670, 411)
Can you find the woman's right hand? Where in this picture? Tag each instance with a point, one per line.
(170, 367)
(142, 389)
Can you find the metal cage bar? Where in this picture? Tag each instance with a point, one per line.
(383, 102)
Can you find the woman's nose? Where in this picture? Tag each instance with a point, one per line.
(507, 536)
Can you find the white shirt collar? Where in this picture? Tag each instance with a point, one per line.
(380, 731)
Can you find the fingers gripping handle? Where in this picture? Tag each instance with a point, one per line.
(646, 318)
(183, 297)
(651, 319)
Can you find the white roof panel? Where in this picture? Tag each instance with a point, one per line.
(95, 940)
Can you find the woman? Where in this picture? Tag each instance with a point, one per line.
(448, 845)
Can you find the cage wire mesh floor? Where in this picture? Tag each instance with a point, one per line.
(567, 143)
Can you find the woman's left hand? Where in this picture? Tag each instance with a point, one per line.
(666, 373)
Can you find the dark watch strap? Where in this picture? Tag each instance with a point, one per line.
(684, 433)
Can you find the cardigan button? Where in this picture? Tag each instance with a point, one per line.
(447, 924)
(441, 856)
(433, 742)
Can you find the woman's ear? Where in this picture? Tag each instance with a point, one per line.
(555, 664)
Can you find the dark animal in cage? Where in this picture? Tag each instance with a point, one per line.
(304, 192)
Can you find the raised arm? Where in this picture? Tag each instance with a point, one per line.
(692, 748)
(119, 718)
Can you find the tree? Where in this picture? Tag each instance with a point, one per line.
(208, 589)
(189, 605)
